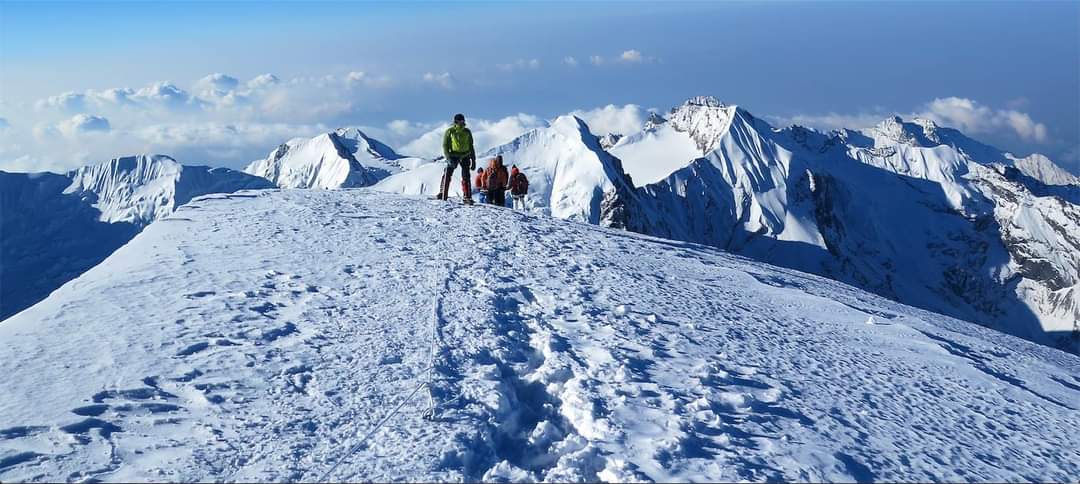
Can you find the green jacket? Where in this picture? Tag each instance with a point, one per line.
(458, 143)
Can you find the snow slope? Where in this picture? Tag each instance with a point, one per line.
(53, 227)
(651, 155)
(902, 209)
(343, 158)
(664, 145)
(304, 335)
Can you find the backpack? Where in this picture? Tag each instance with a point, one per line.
(495, 177)
(460, 140)
(519, 185)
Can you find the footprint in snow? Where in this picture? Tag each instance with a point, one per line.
(192, 349)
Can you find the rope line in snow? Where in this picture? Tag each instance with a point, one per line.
(371, 432)
(436, 310)
(436, 316)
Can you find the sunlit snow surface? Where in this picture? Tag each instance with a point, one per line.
(260, 336)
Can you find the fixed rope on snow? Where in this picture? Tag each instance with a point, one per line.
(371, 432)
(436, 316)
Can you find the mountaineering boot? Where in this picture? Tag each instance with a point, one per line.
(466, 190)
(444, 186)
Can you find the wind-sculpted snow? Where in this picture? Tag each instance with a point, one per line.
(356, 335)
(54, 227)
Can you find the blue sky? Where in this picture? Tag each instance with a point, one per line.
(82, 82)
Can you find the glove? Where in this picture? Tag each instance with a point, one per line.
(472, 164)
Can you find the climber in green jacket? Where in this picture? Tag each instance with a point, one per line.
(458, 149)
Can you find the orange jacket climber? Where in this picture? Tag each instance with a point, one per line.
(479, 180)
(495, 177)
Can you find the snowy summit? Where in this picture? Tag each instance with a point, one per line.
(351, 335)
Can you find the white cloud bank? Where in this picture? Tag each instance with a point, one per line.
(967, 115)
(227, 121)
(445, 80)
(486, 133)
(84, 123)
(973, 118)
(520, 65)
(614, 119)
(629, 56)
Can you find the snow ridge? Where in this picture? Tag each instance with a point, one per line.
(1043, 169)
(562, 352)
(344, 158)
(54, 227)
(143, 188)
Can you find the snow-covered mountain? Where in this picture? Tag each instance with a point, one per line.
(341, 159)
(909, 210)
(570, 175)
(351, 335)
(608, 140)
(666, 144)
(925, 133)
(54, 226)
(1044, 170)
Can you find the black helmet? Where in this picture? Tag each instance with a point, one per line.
(459, 117)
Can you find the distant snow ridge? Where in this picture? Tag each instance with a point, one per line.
(924, 133)
(1041, 168)
(143, 188)
(570, 174)
(344, 158)
(666, 144)
(53, 227)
